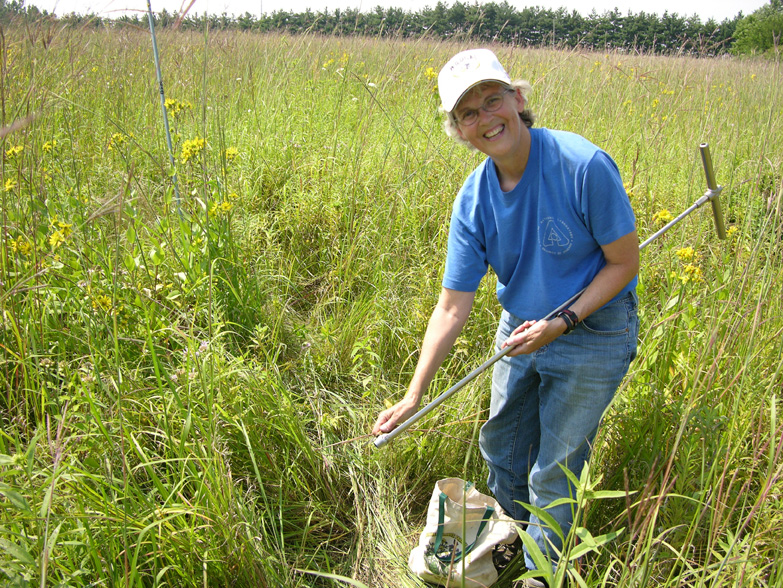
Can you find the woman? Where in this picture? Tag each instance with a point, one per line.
(548, 211)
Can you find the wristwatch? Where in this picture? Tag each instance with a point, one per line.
(570, 318)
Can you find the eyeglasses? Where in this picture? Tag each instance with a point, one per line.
(491, 104)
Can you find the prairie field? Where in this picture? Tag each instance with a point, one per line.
(195, 343)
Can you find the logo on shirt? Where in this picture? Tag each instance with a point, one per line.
(554, 236)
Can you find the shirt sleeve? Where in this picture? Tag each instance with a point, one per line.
(466, 258)
(605, 203)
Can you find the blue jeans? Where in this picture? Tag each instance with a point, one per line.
(545, 411)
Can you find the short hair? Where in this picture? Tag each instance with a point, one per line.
(527, 116)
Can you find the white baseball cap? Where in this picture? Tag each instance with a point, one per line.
(465, 70)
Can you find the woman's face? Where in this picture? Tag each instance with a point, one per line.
(497, 132)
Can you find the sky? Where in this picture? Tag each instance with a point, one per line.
(705, 9)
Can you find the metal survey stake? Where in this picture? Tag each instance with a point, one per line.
(156, 58)
(711, 195)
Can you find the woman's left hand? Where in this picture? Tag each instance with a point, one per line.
(532, 335)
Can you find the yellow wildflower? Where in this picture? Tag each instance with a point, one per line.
(192, 148)
(20, 245)
(49, 146)
(663, 216)
(116, 140)
(65, 228)
(430, 74)
(687, 254)
(10, 184)
(327, 63)
(14, 150)
(692, 273)
(56, 239)
(221, 209)
(101, 302)
(231, 154)
(175, 107)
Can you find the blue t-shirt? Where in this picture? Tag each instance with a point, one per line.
(543, 238)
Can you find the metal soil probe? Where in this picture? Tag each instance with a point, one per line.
(711, 195)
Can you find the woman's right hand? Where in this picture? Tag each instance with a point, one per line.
(393, 416)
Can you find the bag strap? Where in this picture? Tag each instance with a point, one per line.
(442, 513)
(488, 512)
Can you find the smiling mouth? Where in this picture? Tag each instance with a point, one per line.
(494, 132)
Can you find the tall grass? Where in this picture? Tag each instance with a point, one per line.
(187, 392)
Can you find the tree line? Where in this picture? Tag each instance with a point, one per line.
(644, 32)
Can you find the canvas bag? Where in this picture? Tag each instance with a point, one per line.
(443, 556)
